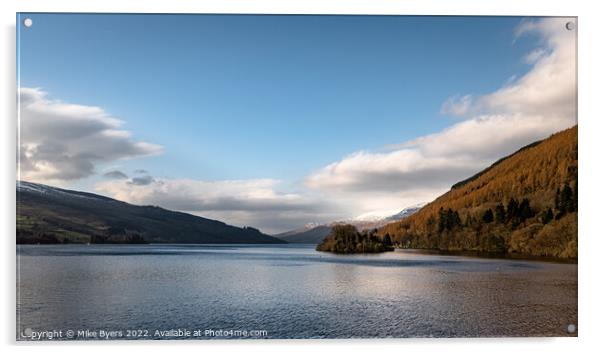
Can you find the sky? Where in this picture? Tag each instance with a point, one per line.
(280, 121)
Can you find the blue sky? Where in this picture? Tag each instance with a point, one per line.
(231, 97)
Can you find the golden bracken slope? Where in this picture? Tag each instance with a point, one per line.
(525, 203)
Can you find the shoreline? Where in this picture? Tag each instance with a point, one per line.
(472, 254)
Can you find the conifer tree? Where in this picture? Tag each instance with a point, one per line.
(488, 216)
(512, 210)
(500, 213)
(524, 209)
(547, 216)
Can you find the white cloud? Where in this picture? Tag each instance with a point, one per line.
(525, 109)
(549, 88)
(457, 105)
(391, 171)
(534, 56)
(254, 202)
(61, 141)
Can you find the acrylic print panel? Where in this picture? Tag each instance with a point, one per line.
(276, 176)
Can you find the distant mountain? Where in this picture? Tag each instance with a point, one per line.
(525, 203)
(47, 214)
(313, 234)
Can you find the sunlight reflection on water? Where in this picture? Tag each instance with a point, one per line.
(292, 291)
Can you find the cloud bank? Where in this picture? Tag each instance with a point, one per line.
(61, 141)
(255, 202)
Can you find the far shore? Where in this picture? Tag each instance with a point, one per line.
(474, 254)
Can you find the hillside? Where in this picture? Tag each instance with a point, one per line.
(525, 203)
(52, 215)
(314, 235)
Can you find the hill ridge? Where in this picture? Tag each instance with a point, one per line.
(47, 214)
(513, 206)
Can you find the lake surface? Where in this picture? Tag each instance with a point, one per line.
(284, 291)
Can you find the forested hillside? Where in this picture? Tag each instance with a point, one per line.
(49, 215)
(525, 203)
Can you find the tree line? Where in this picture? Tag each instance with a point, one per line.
(347, 239)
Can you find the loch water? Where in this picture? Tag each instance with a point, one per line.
(284, 291)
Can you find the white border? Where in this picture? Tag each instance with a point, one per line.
(590, 117)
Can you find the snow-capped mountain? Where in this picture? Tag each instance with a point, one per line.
(405, 212)
(315, 233)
